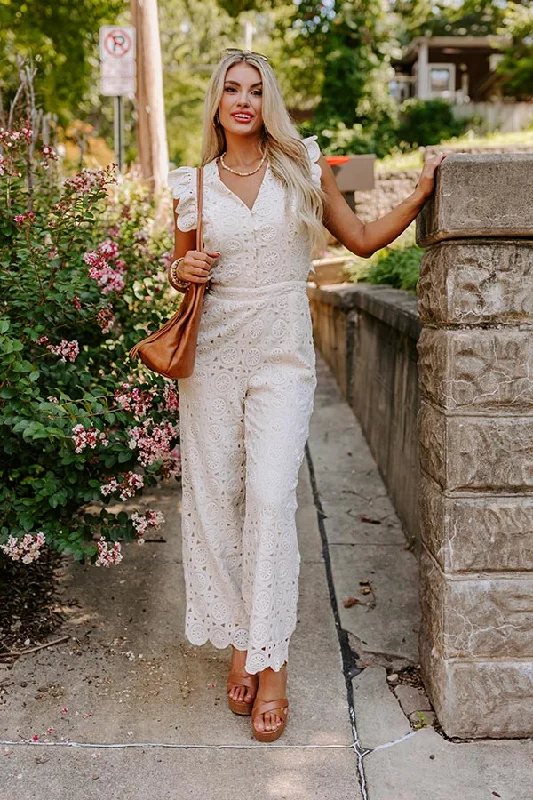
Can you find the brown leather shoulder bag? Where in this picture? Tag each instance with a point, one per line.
(171, 350)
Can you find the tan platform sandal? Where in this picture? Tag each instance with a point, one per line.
(241, 679)
(261, 707)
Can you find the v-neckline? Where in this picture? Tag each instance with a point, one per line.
(234, 194)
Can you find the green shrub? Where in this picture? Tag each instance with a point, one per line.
(81, 279)
(339, 139)
(427, 122)
(397, 267)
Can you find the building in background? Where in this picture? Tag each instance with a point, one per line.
(462, 70)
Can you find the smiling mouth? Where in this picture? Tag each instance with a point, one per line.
(242, 117)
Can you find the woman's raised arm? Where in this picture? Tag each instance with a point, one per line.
(364, 239)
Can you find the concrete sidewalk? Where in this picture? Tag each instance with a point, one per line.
(133, 711)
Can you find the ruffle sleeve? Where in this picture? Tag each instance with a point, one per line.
(313, 151)
(182, 181)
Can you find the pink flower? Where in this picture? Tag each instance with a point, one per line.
(28, 216)
(35, 737)
(167, 258)
(109, 279)
(172, 401)
(88, 179)
(108, 249)
(134, 400)
(113, 231)
(68, 351)
(49, 152)
(27, 549)
(93, 259)
(141, 523)
(76, 302)
(42, 340)
(153, 440)
(87, 438)
(128, 486)
(106, 555)
(105, 319)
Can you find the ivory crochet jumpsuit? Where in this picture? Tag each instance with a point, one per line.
(244, 418)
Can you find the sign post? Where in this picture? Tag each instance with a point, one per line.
(117, 75)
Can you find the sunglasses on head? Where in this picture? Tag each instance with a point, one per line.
(237, 51)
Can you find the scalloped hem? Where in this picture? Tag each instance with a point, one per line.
(256, 660)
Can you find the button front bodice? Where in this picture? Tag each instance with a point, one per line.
(258, 246)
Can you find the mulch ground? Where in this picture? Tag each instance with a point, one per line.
(28, 602)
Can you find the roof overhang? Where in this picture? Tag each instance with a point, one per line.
(456, 42)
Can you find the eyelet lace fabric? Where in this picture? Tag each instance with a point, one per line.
(244, 418)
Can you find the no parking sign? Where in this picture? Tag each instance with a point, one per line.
(117, 60)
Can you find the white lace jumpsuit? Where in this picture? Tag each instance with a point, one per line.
(244, 418)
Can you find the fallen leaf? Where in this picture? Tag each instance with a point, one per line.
(351, 601)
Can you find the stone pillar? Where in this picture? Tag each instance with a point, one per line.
(476, 445)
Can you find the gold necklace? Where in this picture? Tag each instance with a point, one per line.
(242, 174)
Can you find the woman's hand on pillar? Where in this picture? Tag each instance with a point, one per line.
(426, 181)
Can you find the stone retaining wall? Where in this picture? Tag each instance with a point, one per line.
(394, 186)
(368, 336)
(476, 445)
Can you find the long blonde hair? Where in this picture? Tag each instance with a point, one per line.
(286, 154)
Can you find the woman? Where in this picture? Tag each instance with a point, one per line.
(244, 413)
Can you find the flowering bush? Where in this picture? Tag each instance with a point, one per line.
(81, 280)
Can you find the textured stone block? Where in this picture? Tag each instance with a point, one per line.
(477, 369)
(479, 699)
(472, 282)
(476, 534)
(479, 195)
(477, 617)
(476, 453)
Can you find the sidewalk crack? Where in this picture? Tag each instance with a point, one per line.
(349, 665)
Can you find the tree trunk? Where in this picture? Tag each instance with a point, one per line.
(151, 130)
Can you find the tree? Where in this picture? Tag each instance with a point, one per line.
(62, 37)
(448, 18)
(516, 68)
(353, 40)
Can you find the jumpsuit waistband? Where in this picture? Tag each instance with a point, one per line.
(255, 292)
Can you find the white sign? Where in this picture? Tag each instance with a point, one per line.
(117, 60)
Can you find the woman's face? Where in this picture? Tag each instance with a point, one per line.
(240, 107)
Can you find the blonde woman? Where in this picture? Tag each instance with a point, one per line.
(244, 413)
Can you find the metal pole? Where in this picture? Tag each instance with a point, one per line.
(119, 132)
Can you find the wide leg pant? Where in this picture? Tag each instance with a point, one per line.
(244, 421)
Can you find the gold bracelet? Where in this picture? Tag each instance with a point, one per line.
(175, 281)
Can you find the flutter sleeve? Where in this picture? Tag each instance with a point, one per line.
(182, 181)
(313, 151)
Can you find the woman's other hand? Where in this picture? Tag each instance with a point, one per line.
(426, 181)
(196, 266)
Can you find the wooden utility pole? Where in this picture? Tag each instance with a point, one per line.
(151, 129)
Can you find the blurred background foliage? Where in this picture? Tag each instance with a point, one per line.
(333, 59)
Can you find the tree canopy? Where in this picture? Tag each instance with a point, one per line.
(332, 57)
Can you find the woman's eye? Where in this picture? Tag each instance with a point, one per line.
(230, 88)
(258, 93)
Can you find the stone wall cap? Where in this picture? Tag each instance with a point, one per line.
(479, 195)
(395, 307)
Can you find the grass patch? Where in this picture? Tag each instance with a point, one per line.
(413, 160)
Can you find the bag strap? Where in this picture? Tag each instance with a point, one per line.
(200, 206)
